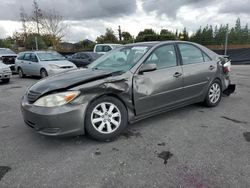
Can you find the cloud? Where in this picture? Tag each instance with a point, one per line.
(71, 9)
(235, 7)
(2, 32)
(170, 7)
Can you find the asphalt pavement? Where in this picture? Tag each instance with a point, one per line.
(193, 146)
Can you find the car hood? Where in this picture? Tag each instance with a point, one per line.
(8, 55)
(61, 63)
(68, 80)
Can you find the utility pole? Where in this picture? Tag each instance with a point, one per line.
(226, 43)
(36, 43)
(120, 33)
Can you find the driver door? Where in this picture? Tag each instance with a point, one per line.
(162, 87)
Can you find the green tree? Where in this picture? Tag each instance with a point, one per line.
(126, 36)
(108, 37)
(30, 42)
(167, 35)
(147, 35)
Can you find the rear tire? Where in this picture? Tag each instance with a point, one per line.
(43, 73)
(214, 94)
(20, 73)
(106, 118)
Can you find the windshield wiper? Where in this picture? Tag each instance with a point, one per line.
(119, 72)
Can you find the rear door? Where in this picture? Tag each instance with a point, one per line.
(160, 88)
(198, 70)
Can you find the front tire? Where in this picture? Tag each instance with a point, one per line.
(214, 94)
(20, 73)
(106, 118)
(43, 73)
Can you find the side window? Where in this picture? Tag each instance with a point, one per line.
(190, 54)
(20, 56)
(107, 48)
(33, 58)
(83, 56)
(99, 48)
(163, 57)
(26, 57)
(206, 58)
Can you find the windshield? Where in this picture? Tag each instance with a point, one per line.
(50, 56)
(6, 51)
(120, 59)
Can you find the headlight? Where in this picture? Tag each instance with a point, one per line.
(57, 99)
(54, 66)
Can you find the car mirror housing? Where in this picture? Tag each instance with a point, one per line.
(148, 67)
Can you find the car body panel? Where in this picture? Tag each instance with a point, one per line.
(143, 94)
(157, 89)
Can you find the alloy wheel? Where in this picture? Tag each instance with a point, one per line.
(106, 117)
(214, 93)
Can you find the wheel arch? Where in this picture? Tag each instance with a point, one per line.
(130, 112)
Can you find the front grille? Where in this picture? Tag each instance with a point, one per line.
(66, 67)
(8, 59)
(32, 96)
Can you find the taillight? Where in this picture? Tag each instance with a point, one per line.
(227, 67)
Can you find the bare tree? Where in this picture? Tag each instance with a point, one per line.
(24, 20)
(37, 15)
(53, 25)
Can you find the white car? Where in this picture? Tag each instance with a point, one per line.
(42, 63)
(104, 48)
(7, 56)
(5, 73)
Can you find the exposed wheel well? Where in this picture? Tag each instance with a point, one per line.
(110, 95)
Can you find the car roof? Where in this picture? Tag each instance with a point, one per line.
(109, 44)
(39, 51)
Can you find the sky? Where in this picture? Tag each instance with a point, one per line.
(88, 19)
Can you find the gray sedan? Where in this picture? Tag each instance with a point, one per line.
(128, 84)
(41, 63)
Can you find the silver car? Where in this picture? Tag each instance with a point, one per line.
(42, 63)
(5, 73)
(128, 84)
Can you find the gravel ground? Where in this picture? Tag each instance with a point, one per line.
(193, 146)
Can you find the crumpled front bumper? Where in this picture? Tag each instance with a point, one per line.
(67, 120)
(5, 75)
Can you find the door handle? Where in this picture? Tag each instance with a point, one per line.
(177, 74)
(211, 67)
(29, 63)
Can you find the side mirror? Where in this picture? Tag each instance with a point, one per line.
(148, 68)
